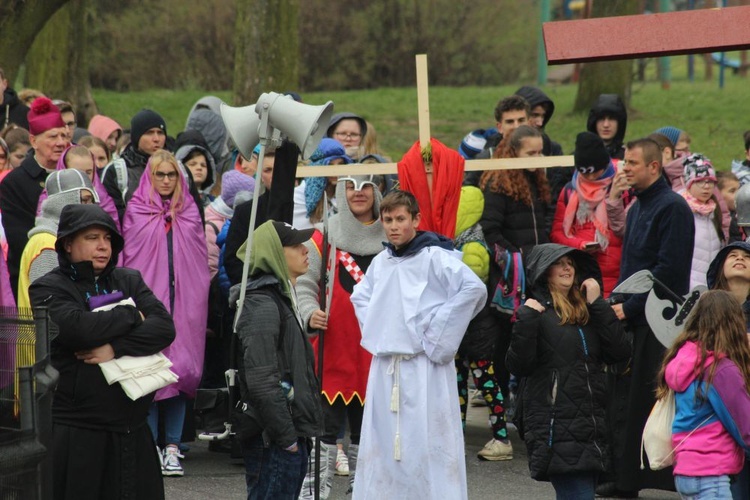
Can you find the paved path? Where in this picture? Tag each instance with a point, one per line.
(213, 476)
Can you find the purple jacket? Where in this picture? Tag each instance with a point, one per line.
(146, 227)
(716, 448)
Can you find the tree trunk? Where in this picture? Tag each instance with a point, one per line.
(266, 53)
(57, 63)
(20, 21)
(609, 77)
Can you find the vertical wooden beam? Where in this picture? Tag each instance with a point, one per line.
(423, 101)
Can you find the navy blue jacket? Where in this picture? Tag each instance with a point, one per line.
(659, 236)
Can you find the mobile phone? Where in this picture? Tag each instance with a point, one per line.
(592, 246)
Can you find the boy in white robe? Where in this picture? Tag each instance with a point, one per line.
(413, 306)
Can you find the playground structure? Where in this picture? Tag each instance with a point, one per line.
(704, 13)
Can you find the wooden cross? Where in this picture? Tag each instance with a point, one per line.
(423, 106)
(642, 36)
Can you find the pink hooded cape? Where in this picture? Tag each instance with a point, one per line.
(9, 338)
(105, 200)
(144, 230)
(101, 126)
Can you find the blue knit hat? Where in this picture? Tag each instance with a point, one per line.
(327, 151)
(672, 133)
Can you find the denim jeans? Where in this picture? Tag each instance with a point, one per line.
(173, 411)
(273, 473)
(574, 486)
(703, 487)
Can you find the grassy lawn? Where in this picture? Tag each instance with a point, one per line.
(715, 118)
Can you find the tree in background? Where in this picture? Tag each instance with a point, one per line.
(58, 61)
(609, 77)
(20, 22)
(266, 50)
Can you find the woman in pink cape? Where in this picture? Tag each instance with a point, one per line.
(165, 242)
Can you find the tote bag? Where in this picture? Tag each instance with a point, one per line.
(657, 434)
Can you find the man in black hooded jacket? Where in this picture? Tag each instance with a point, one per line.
(102, 447)
(608, 118)
(541, 110)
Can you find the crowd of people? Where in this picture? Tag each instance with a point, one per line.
(372, 300)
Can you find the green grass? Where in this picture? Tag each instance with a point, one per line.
(715, 118)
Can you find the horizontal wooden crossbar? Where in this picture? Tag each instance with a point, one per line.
(651, 35)
(471, 165)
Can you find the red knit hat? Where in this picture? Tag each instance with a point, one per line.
(43, 116)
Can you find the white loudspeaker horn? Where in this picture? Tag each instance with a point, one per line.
(242, 123)
(303, 124)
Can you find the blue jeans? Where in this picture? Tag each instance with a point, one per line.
(273, 473)
(703, 487)
(173, 410)
(574, 486)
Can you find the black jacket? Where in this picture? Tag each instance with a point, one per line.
(19, 196)
(12, 110)
(266, 362)
(514, 226)
(563, 398)
(610, 105)
(83, 398)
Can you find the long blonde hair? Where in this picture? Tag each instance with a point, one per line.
(571, 306)
(163, 156)
(717, 325)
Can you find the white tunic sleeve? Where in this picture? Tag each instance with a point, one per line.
(464, 296)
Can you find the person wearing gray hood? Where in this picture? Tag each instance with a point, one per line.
(564, 335)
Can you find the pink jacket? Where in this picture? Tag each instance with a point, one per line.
(214, 222)
(721, 423)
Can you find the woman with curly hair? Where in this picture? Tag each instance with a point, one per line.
(517, 216)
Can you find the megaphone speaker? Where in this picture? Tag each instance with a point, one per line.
(303, 124)
(242, 123)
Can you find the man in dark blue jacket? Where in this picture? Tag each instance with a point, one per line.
(659, 236)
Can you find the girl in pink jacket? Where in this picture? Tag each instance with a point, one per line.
(708, 368)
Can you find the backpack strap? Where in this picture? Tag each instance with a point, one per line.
(121, 175)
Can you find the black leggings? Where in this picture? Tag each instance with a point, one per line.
(334, 416)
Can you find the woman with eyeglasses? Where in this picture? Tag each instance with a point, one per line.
(581, 219)
(349, 129)
(700, 182)
(165, 242)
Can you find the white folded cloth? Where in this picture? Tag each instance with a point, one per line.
(138, 375)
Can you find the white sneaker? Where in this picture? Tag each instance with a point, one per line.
(171, 463)
(477, 399)
(496, 450)
(342, 463)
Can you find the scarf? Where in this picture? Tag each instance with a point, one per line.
(585, 204)
(144, 228)
(697, 206)
(440, 207)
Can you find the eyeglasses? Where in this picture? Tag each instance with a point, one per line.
(160, 176)
(706, 183)
(348, 135)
